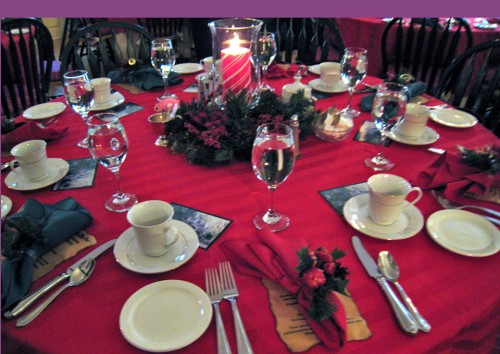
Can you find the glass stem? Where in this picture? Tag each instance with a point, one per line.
(271, 200)
(264, 73)
(351, 90)
(119, 191)
(258, 75)
(165, 85)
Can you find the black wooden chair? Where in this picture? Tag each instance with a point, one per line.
(306, 40)
(27, 57)
(105, 46)
(423, 47)
(472, 83)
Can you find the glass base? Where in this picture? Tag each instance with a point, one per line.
(161, 140)
(119, 203)
(165, 96)
(274, 221)
(350, 112)
(84, 143)
(379, 163)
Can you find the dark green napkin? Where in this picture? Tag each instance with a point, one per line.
(414, 89)
(48, 225)
(145, 78)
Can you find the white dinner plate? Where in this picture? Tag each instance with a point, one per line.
(409, 223)
(464, 233)
(128, 254)
(316, 85)
(187, 68)
(115, 99)
(165, 316)
(429, 136)
(44, 110)
(453, 118)
(58, 168)
(6, 205)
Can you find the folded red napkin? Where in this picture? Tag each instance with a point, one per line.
(277, 72)
(28, 131)
(274, 258)
(457, 177)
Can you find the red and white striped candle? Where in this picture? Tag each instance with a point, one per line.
(236, 67)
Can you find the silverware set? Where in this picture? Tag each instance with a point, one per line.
(220, 285)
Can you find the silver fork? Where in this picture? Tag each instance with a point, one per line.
(214, 291)
(231, 294)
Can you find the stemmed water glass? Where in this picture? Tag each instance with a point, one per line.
(108, 145)
(273, 159)
(389, 107)
(266, 51)
(79, 95)
(163, 59)
(353, 68)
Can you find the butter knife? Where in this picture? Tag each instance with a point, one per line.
(405, 319)
(29, 299)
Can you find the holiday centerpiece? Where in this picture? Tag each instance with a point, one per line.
(209, 135)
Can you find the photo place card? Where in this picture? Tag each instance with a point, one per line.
(125, 109)
(81, 174)
(338, 196)
(208, 227)
(369, 133)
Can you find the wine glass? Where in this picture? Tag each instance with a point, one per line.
(163, 59)
(108, 145)
(352, 71)
(79, 94)
(273, 158)
(266, 51)
(389, 107)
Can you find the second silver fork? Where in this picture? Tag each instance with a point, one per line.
(230, 293)
(214, 291)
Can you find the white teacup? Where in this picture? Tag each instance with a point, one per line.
(387, 196)
(329, 74)
(152, 224)
(207, 63)
(413, 124)
(31, 156)
(102, 90)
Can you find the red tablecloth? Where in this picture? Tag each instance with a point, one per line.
(458, 295)
(367, 32)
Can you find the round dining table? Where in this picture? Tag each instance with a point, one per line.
(458, 295)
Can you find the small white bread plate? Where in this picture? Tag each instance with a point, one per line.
(187, 68)
(44, 110)
(454, 118)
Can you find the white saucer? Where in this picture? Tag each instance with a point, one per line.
(127, 251)
(44, 110)
(187, 68)
(6, 205)
(114, 100)
(316, 85)
(453, 118)
(464, 233)
(409, 223)
(165, 316)
(429, 136)
(58, 168)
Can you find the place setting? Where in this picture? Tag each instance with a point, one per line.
(412, 130)
(330, 80)
(104, 97)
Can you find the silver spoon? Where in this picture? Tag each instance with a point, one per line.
(390, 271)
(79, 275)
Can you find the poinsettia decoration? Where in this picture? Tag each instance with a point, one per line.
(210, 136)
(321, 272)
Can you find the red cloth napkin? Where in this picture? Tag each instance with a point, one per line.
(458, 178)
(277, 72)
(28, 131)
(274, 258)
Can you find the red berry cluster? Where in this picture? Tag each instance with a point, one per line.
(322, 265)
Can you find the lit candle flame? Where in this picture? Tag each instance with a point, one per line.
(234, 44)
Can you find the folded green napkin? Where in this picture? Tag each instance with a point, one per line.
(42, 226)
(414, 89)
(145, 78)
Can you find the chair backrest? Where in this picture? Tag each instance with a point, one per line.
(422, 47)
(472, 83)
(27, 57)
(105, 46)
(306, 40)
(72, 25)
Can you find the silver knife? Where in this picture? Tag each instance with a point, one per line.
(29, 299)
(405, 319)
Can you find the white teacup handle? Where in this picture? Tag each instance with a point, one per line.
(176, 235)
(419, 195)
(13, 166)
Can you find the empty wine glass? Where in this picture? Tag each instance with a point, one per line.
(266, 49)
(353, 68)
(79, 94)
(163, 59)
(273, 158)
(389, 107)
(108, 145)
